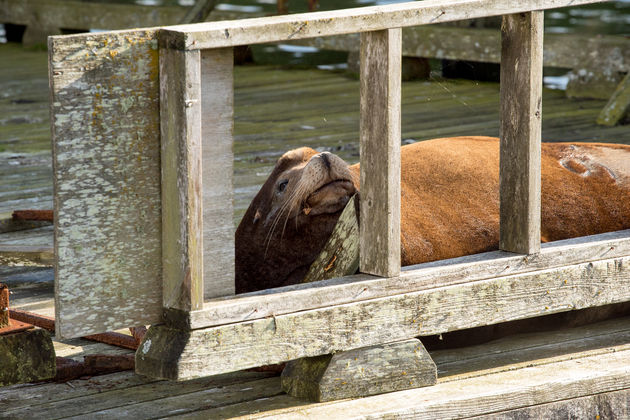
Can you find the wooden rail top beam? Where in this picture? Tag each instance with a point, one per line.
(337, 22)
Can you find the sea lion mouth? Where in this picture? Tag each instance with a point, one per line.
(329, 198)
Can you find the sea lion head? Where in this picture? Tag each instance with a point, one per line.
(290, 219)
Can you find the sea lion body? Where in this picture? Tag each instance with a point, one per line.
(449, 203)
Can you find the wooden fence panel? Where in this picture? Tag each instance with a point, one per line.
(106, 154)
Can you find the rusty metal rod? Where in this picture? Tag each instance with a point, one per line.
(33, 215)
(48, 323)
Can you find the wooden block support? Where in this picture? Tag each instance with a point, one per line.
(521, 102)
(380, 152)
(361, 372)
(26, 356)
(618, 106)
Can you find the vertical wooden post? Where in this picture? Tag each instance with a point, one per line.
(521, 100)
(380, 152)
(217, 111)
(182, 219)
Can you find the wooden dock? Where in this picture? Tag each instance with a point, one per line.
(276, 110)
(514, 374)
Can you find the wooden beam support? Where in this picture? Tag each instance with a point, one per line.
(379, 229)
(339, 291)
(178, 354)
(521, 102)
(182, 207)
(217, 121)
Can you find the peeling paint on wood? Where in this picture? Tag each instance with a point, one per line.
(106, 154)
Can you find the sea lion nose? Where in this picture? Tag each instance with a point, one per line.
(325, 156)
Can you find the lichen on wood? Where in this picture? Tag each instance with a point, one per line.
(106, 160)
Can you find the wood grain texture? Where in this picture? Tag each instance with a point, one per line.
(106, 154)
(340, 255)
(618, 106)
(426, 276)
(379, 127)
(558, 383)
(363, 19)
(572, 51)
(533, 349)
(217, 115)
(353, 325)
(361, 372)
(521, 107)
(182, 218)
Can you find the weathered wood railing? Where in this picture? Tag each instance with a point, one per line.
(147, 270)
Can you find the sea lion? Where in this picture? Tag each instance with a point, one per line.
(449, 203)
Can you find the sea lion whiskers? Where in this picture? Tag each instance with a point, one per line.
(287, 207)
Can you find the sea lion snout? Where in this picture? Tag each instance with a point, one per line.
(291, 217)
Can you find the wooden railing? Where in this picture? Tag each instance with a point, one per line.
(208, 331)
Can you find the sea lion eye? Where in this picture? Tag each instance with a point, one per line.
(283, 185)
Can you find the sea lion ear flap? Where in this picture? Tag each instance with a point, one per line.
(257, 216)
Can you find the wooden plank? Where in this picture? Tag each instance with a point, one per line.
(340, 255)
(379, 230)
(336, 328)
(484, 45)
(336, 22)
(20, 396)
(603, 379)
(217, 114)
(618, 105)
(521, 103)
(106, 154)
(533, 349)
(147, 398)
(182, 206)
(425, 276)
(608, 405)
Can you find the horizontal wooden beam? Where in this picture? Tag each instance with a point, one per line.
(484, 45)
(336, 22)
(177, 354)
(302, 297)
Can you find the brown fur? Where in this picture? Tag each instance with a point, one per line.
(450, 205)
